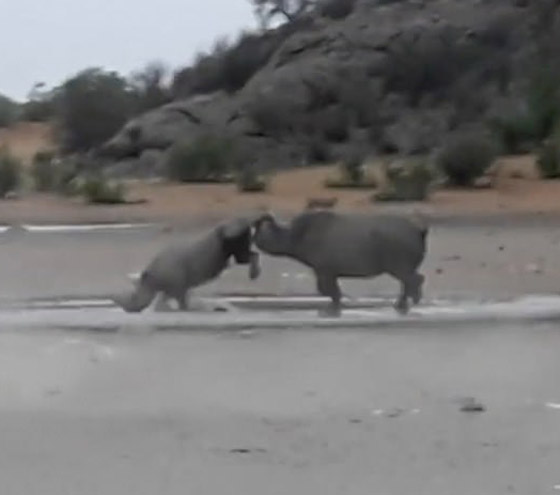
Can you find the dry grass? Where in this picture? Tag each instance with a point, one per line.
(26, 139)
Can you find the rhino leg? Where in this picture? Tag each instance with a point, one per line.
(327, 285)
(401, 304)
(414, 287)
(411, 288)
(183, 301)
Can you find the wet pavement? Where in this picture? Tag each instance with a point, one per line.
(258, 412)
(281, 402)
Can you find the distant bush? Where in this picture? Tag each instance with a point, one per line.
(516, 134)
(432, 63)
(335, 124)
(9, 111)
(10, 172)
(249, 181)
(97, 190)
(409, 181)
(272, 114)
(352, 174)
(466, 158)
(44, 171)
(229, 66)
(67, 172)
(91, 107)
(336, 9)
(548, 158)
(317, 150)
(208, 158)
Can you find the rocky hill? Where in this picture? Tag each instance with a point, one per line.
(392, 76)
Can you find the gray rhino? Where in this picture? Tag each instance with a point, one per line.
(337, 245)
(191, 263)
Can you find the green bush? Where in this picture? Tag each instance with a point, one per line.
(466, 158)
(97, 190)
(206, 159)
(548, 159)
(336, 9)
(317, 150)
(407, 182)
(9, 111)
(249, 181)
(516, 134)
(44, 171)
(66, 172)
(352, 174)
(10, 172)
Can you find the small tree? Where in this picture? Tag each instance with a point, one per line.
(290, 10)
(91, 107)
(208, 158)
(8, 111)
(149, 87)
(10, 172)
(44, 171)
(465, 158)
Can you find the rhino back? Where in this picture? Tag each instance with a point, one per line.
(186, 263)
(356, 245)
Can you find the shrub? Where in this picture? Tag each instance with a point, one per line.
(97, 190)
(249, 181)
(272, 114)
(465, 158)
(10, 172)
(407, 182)
(9, 111)
(548, 159)
(91, 107)
(351, 174)
(336, 9)
(66, 171)
(317, 150)
(44, 171)
(516, 134)
(335, 124)
(206, 159)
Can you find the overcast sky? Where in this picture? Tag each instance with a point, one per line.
(49, 40)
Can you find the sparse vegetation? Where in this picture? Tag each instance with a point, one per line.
(97, 190)
(91, 107)
(10, 172)
(336, 9)
(250, 181)
(208, 158)
(44, 171)
(466, 158)
(407, 181)
(352, 174)
(548, 158)
(9, 111)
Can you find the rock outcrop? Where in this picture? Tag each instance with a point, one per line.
(406, 72)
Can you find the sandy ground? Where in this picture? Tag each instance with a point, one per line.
(516, 191)
(26, 139)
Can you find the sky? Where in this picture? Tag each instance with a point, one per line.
(50, 40)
